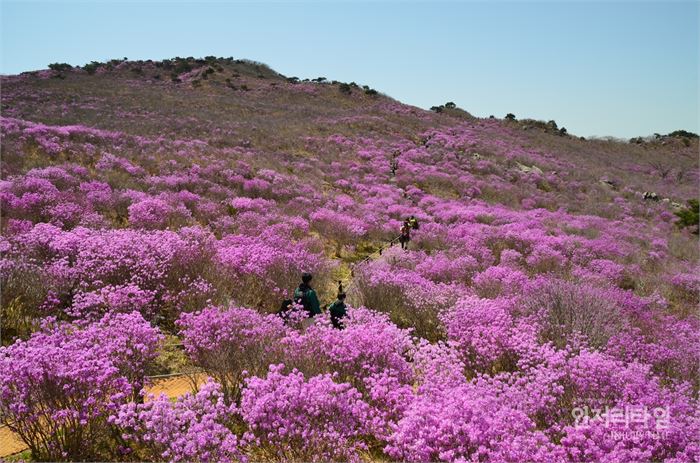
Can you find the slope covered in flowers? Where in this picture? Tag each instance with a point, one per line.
(544, 311)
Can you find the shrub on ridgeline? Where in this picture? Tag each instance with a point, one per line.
(92, 67)
(510, 117)
(682, 134)
(345, 89)
(60, 67)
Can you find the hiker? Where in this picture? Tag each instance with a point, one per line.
(306, 296)
(338, 311)
(405, 234)
(413, 222)
(394, 166)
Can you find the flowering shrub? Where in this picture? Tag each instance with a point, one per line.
(194, 428)
(469, 423)
(688, 286)
(230, 343)
(150, 214)
(368, 345)
(410, 300)
(61, 384)
(93, 271)
(665, 418)
(566, 309)
(256, 269)
(483, 330)
(499, 280)
(314, 420)
(338, 226)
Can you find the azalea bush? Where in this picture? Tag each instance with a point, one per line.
(60, 386)
(196, 427)
(230, 343)
(313, 420)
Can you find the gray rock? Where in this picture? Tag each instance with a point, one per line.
(527, 169)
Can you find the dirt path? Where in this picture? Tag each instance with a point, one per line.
(173, 386)
(9, 443)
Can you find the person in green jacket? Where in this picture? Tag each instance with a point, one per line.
(338, 311)
(306, 296)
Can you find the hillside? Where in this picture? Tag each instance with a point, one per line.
(182, 199)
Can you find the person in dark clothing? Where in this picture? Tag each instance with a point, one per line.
(405, 235)
(338, 311)
(306, 296)
(394, 165)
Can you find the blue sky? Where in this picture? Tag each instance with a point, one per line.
(598, 68)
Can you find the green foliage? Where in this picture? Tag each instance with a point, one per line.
(345, 89)
(450, 105)
(60, 67)
(91, 67)
(182, 66)
(510, 116)
(682, 134)
(371, 92)
(437, 109)
(689, 217)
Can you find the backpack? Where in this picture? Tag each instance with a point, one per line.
(284, 308)
(300, 297)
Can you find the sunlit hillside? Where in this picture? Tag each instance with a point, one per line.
(155, 215)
